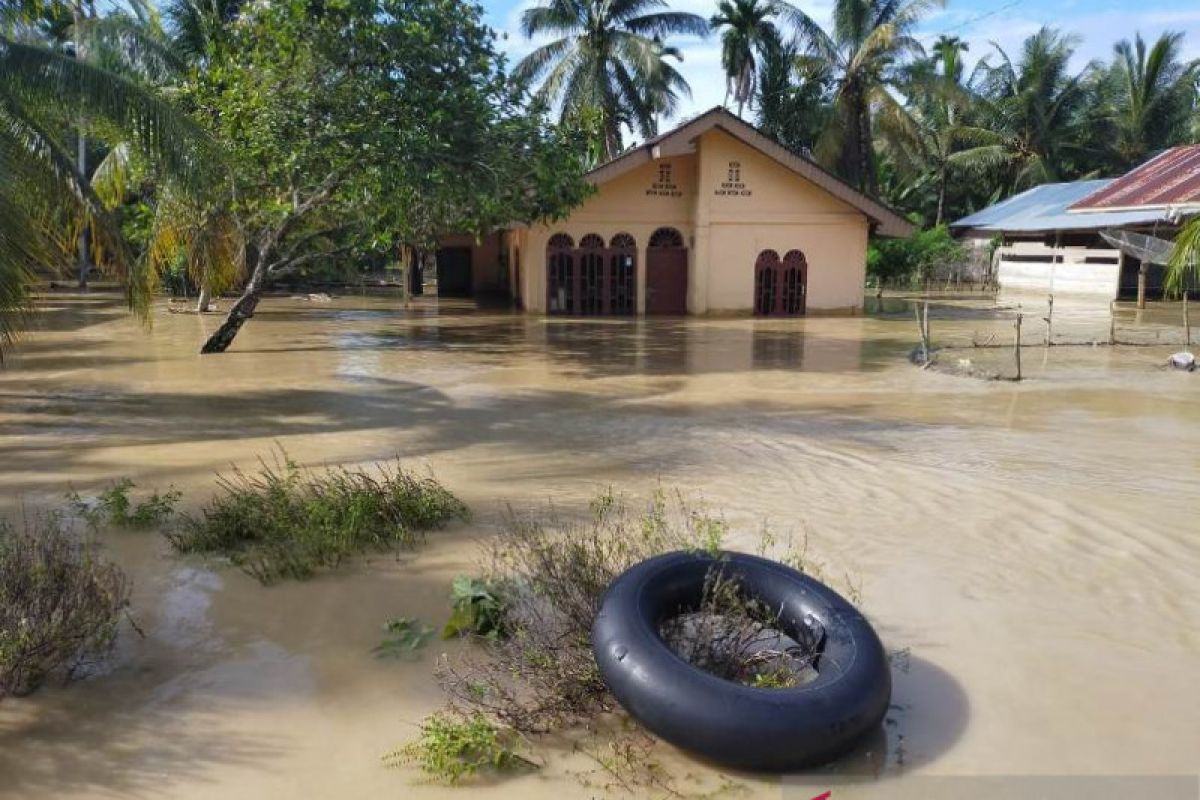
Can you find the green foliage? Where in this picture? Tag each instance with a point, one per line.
(358, 126)
(60, 603)
(1183, 270)
(113, 507)
(607, 64)
(286, 522)
(452, 748)
(479, 609)
(405, 636)
(911, 259)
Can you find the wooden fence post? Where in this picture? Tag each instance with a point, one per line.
(1017, 347)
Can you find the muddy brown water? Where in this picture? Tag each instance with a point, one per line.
(1032, 547)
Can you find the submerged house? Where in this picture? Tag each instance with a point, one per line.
(1066, 237)
(712, 217)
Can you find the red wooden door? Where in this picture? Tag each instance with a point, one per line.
(666, 280)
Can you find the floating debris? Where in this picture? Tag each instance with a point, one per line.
(1183, 360)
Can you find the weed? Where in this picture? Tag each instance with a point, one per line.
(452, 747)
(60, 604)
(113, 507)
(405, 637)
(287, 522)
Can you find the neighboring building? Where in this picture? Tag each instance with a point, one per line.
(1051, 235)
(712, 217)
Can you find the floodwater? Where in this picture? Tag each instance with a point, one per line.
(1032, 548)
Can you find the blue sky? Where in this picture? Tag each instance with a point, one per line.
(1100, 23)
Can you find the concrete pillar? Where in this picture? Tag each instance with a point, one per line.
(699, 248)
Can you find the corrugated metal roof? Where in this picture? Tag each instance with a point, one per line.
(1044, 208)
(1171, 178)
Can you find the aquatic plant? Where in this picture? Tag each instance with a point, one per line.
(113, 507)
(286, 522)
(60, 603)
(452, 747)
(405, 636)
(478, 609)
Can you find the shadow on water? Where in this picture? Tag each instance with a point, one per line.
(612, 347)
(927, 717)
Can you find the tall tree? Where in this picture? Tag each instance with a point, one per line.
(795, 97)
(925, 143)
(1154, 94)
(370, 125)
(1035, 104)
(608, 64)
(748, 36)
(869, 41)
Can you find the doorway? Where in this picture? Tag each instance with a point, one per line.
(454, 272)
(666, 273)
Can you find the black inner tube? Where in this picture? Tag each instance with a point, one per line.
(728, 722)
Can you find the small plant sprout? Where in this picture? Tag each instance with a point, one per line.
(405, 636)
(452, 748)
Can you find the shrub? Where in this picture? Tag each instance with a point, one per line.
(542, 676)
(452, 747)
(285, 522)
(60, 604)
(913, 259)
(113, 507)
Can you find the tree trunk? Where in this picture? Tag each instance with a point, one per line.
(81, 160)
(941, 205)
(203, 302)
(239, 313)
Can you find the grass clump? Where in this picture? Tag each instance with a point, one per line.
(60, 604)
(453, 747)
(286, 522)
(114, 507)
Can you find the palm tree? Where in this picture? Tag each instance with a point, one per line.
(869, 41)
(748, 34)
(925, 143)
(610, 62)
(1036, 107)
(1154, 94)
(794, 97)
(46, 200)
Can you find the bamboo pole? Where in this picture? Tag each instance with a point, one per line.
(1017, 347)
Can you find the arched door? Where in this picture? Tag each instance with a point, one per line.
(560, 275)
(780, 286)
(666, 273)
(622, 275)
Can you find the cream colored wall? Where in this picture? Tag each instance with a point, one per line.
(781, 212)
(725, 228)
(486, 265)
(635, 203)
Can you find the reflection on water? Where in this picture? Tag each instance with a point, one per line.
(1031, 546)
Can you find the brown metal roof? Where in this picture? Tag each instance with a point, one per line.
(1171, 178)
